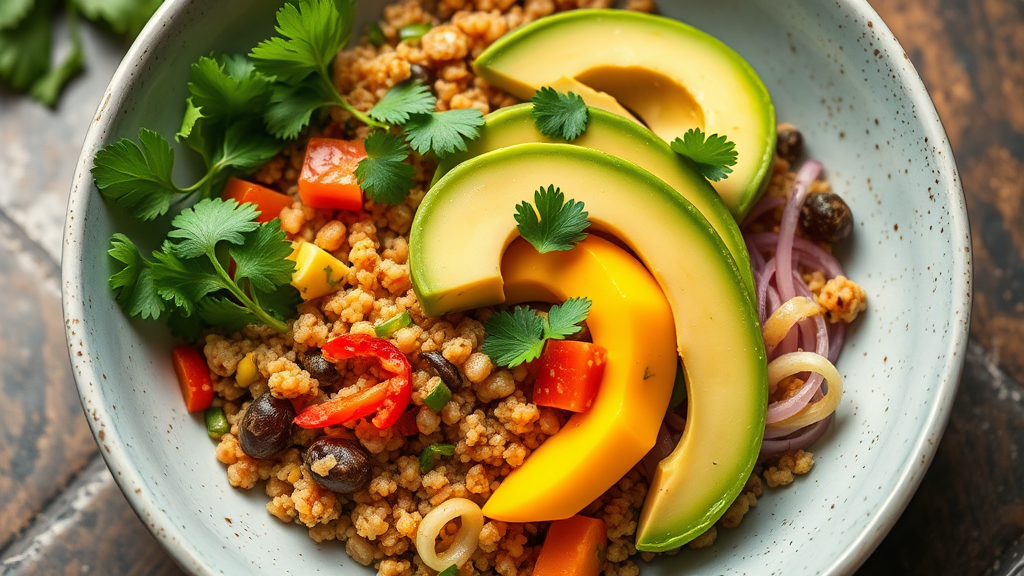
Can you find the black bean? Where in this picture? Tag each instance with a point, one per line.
(445, 369)
(826, 217)
(320, 368)
(423, 74)
(266, 426)
(790, 143)
(351, 471)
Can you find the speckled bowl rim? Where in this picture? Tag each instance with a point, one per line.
(173, 537)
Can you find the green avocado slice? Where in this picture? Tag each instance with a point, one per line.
(460, 233)
(671, 75)
(620, 137)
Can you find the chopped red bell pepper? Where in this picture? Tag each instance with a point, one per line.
(569, 375)
(406, 424)
(267, 201)
(193, 377)
(328, 178)
(388, 398)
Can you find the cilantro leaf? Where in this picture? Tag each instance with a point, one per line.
(123, 16)
(183, 282)
(430, 452)
(133, 280)
(25, 48)
(512, 339)
(246, 146)
(191, 131)
(228, 89)
(312, 33)
(561, 225)
(401, 101)
(383, 174)
(564, 319)
(227, 314)
(713, 156)
(559, 115)
(137, 178)
(13, 11)
(291, 107)
(46, 89)
(280, 302)
(260, 259)
(209, 222)
(188, 328)
(443, 132)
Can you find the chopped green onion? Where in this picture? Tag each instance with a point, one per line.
(678, 389)
(413, 32)
(438, 397)
(427, 456)
(386, 329)
(452, 570)
(216, 423)
(375, 34)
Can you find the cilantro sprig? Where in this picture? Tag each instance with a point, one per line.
(560, 225)
(188, 280)
(559, 115)
(713, 155)
(222, 124)
(512, 338)
(26, 39)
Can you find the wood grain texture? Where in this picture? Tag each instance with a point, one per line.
(44, 440)
(89, 530)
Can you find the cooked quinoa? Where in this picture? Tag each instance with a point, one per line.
(490, 421)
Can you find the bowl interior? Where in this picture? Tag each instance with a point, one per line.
(833, 69)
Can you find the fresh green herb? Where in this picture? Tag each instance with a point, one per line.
(519, 336)
(26, 37)
(428, 454)
(713, 156)
(216, 422)
(438, 398)
(403, 100)
(452, 570)
(559, 115)
(443, 132)
(386, 329)
(375, 34)
(561, 224)
(413, 32)
(383, 174)
(188, 278)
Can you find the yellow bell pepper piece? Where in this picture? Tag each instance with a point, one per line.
(317, 273)
(631, 318)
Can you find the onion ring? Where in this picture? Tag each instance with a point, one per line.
(786, 316)
(795, 363)
(466, 539)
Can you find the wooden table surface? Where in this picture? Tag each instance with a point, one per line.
(61, 512)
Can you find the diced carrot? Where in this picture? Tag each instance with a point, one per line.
(267, 201)
(569, 375)
(194, 378)
(573, 547)
(328, 178)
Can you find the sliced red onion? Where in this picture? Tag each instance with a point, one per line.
(835, 345)
(807, 253)
(756, 258)
(766, 205)
(761, 288)
(776, 433)
(787, 229)
(800, 440)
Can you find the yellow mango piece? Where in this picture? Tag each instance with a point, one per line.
(316, 271)
(631, 318)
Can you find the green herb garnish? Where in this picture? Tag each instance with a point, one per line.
(452, 570)
(216, 422)
(375, 34)
(386, 329)
(559, 115)
(403, 100)
(561, 224)
(443, 132)
(384, 175)
(428, 454)
(413, 32)
(438, 398)
(713, 156)
(188, 277)
(519, 336)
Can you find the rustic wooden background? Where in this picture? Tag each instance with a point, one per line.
(60, 512)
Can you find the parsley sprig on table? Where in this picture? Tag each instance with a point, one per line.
(188, 280)
(26, 34)
(222, 123)
(559, 115)
(300, 61)
(518, 336)
(560, 225)
(713, 155)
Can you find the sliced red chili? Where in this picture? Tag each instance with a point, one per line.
(388, 398)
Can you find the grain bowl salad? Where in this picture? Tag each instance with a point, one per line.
(492, 286)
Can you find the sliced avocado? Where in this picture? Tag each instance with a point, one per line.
(464, 225)
(671, 75)
(610, 133)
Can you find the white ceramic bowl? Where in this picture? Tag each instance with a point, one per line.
(833, 69)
